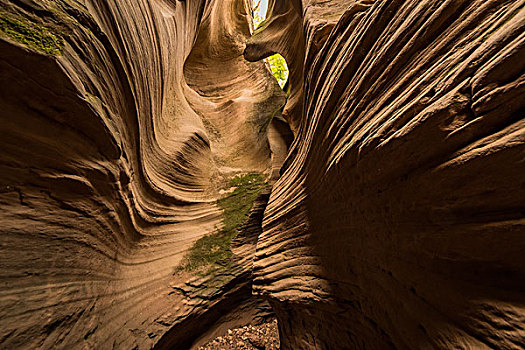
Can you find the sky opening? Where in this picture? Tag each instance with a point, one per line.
(277, 63)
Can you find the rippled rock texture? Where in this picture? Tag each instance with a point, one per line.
(398, 221)
(395, 221)
(121, 121)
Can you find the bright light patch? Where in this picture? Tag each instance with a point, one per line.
(260, 7)
(279, 69)
(277, 63)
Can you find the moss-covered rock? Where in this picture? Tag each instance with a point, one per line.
(213, 250)
(31, 34)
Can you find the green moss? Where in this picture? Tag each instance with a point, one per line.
(453, 69)
(33, 35)
(238, 204)
(213, 251)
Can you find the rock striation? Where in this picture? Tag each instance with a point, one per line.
(383, 210)
(121, 121)
(398, 220)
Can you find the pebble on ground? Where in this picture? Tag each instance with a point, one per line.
(261, 337)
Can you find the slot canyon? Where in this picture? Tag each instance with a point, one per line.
(159, 187)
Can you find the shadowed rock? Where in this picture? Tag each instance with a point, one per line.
(115, 144)
(398, 222)
(396, 216)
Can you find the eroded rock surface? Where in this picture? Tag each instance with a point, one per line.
(398, 221)
(396, 217)
(121, 123)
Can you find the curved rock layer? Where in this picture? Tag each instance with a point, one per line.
(112, 161)
(399, 219)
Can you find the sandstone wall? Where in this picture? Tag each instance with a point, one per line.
(112, 159)
(398, 221)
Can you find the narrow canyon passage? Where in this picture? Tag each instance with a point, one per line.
(343, 174)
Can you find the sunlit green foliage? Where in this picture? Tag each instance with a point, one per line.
(259, 12)
(277, 63)
(279, 69)
(213, 251)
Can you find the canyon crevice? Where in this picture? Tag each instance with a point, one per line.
(158, 187)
